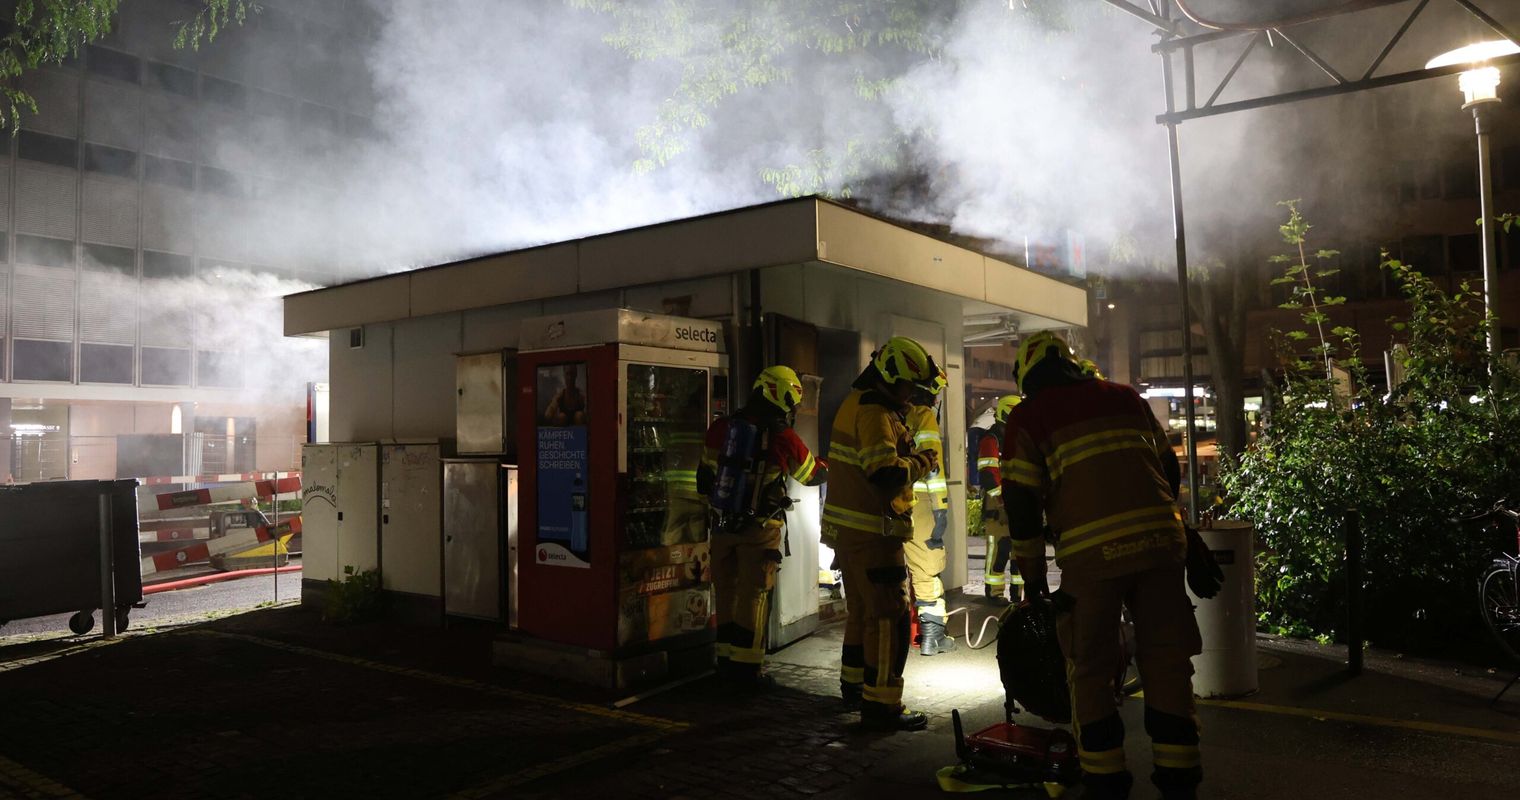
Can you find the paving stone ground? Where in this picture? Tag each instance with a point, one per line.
(274, 703)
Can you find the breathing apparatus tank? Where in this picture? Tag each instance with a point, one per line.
(730, 495)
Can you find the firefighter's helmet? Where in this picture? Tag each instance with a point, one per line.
(1005, 404)
(1037, 348)
(1090, 369)
(902, 359)
(780, 386)
(938, 381)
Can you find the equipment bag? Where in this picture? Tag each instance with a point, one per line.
(1030, 663)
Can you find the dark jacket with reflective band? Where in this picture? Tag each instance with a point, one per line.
(1092, 457)
(988, 461)
(869, 471)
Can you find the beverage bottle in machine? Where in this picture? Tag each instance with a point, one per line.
(578, 533)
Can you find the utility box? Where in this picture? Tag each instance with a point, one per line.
(1227, 622)
(411, 569)
(479, 539)
(485, 403)
(340, 513)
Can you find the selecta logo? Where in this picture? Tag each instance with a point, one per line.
(543, 555)
(690, 334)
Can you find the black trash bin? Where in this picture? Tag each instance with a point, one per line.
(50, 550)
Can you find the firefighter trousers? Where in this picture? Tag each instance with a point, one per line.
(1167, 638)
(744, 565)
(926, 560)
(877, 622)
(1001, 571)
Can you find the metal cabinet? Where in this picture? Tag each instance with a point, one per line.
(339, 510)
(410, 482)
(486, 389)
(479, 529)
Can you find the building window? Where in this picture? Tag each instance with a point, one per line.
(269, 104)
(1461, 179)
(105, 363)
(1466, 252)
(34, 146)
(221, 181)
(105, 258)
(321, 117)
(165, 366)
(173, 80)
(169, 172)
(112, 64)
(167, 266)
(218, 369)
(110, 160)
(44, 251)
(226, 93)
(43, 361)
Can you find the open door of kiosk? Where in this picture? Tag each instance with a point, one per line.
(613, 541)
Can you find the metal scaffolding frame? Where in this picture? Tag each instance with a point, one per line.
(1183, 31)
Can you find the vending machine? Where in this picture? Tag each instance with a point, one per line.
(612, 536)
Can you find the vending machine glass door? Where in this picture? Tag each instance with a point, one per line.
(664, 588)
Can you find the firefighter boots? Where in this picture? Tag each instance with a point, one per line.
(996, 593)
(880, 717)
(932, 638)
(850, 695)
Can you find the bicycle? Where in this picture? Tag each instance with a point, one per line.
(1499, 595)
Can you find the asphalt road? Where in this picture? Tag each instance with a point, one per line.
(176, 605)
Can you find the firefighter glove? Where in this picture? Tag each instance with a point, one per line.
(941, 523)
(990, 513)
(1204, 576)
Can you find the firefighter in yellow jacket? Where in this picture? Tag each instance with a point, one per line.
(925, 552)
(1088, 455)
(746, 460)
(866, 520)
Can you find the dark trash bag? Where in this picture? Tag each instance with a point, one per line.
(1030, 662)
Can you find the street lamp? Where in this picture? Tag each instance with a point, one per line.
(1480, 90)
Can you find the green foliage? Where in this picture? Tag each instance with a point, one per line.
(725, 49)
(1440, 445)
(356, 598)
(974, 524)
(52, 31)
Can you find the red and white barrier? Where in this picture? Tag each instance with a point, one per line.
(222, 548)
(224, 493)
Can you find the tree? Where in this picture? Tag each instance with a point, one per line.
(726, 49)
(52, 31)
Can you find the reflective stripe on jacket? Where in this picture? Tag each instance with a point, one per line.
(868, 436)
(1091, 452)
(923, 424)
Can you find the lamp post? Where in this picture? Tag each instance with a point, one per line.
(1480, 91)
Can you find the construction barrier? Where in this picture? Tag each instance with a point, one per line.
(221, 539)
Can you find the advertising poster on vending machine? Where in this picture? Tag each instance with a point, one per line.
(563, 533)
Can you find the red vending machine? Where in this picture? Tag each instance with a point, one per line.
(613, 556)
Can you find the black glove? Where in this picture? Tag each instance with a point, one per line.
(992, 514)
(941, 524)
(1204, 576)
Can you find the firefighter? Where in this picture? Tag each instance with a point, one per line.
(746, 460)
(1090, 369)
(1090, 457)
(866, 519)
(925, 552)
(1002, 582)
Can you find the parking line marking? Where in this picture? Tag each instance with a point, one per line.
(1365, 719)
(16, 778)
(57, 654)
(558, 765)
(630, 717)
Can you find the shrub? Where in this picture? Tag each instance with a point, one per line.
(356, 598)
(1439, 445)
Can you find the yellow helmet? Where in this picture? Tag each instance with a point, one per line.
(938, 382)
(780, 386)
(1090, 369)
(902, 359)
(1037, 348)
(1005, 404)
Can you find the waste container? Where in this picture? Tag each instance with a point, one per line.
(1227, 665)
(50, 550)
